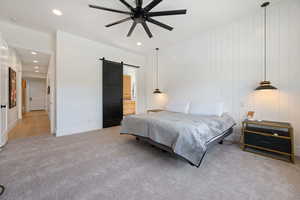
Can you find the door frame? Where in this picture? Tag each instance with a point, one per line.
(29, 93)
(3, 93)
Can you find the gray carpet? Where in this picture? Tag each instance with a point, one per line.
(104, 165)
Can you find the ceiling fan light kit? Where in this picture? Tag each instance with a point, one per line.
(141, 15)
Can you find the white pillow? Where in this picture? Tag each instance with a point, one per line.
(207, 108)
(178, 107)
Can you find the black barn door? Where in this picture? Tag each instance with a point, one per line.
(112, 93)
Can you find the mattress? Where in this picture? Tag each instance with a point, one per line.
(186, 134)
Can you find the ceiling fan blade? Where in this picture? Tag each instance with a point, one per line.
(118, 22)
(169, 12)
(147, 29)
(139, 3)
(153, 21)
(152, 5)
(131, 29)
(109, 9)
(127, 5)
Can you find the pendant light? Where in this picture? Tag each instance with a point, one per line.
(265, 85)
(157, 91)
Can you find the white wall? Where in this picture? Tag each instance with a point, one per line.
(3, 90)
(227, 64)
(11, 59)
(79, 82)
(15, 113)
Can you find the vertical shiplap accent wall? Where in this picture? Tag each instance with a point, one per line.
(227, 64)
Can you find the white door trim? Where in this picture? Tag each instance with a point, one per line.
(3, 92)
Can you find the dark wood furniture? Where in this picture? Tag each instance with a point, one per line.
(268, 138)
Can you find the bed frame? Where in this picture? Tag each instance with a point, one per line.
(216, 140)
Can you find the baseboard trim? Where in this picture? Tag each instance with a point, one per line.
(12, 125)
(62, 134)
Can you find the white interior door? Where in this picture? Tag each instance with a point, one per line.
(37, 94)
(3, 91)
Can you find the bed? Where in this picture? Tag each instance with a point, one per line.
(186, 135)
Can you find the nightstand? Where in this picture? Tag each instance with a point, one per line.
(268, 138)
(154, 110)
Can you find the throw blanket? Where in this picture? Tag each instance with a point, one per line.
(186, 134)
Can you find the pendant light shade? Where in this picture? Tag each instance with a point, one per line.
(157, 91)
(265, 85)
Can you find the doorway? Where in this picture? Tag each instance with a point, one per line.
(129, 91)
(36, 97)
(119, 92)
(33, 95)
(112, 76)
(35, 121)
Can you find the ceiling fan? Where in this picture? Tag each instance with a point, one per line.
(141, 15)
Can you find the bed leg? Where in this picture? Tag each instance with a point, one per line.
(2, 189)
(221, 142)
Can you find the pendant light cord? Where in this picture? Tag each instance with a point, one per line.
(265, 43)
(157, 68)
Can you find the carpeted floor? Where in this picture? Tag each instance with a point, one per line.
(104, 165)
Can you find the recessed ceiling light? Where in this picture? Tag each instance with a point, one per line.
(139, 43)
(37, 71)
(35, 61)
(36, 67)
(33, 53)
(57, 12)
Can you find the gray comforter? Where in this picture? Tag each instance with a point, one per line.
(186, 134)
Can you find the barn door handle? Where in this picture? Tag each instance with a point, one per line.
(3, 106)
(30, 99)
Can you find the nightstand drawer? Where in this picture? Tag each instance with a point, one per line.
(269, 142)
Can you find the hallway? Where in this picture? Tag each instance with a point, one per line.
(33, 124)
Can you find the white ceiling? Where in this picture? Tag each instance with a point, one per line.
(79, 19)
(27, 58)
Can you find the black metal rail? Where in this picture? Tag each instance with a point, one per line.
(129, 65)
